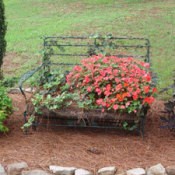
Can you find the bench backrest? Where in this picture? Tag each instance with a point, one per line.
(69, 50)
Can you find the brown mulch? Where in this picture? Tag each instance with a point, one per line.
(86, 148)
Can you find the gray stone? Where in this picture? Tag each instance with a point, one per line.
(58, 170)
(16, 168)
(35, 172)
(107, 170)
(82, 172)
(170, 170)
(136, 171)
(156, 170)
(2, 170)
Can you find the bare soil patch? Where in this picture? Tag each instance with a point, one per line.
(86, 148)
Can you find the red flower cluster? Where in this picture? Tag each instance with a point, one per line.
(114, 83)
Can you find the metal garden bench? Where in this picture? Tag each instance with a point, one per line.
(66, 51)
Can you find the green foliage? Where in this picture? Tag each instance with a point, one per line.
(5, 108)
(2, 35)
(129, 128)
(54, 94)
(9, 81)
(28, 124)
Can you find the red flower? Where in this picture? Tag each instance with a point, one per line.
(99, 101)
(78, 68)
(89, 89)
(107, 90)
(122, 107)
(115, 72)
(105, 60)
(146, 89)
(137, 91)
(127, 104)
(86, 79)
(120, 97)
(147, 77)
(103, 73)
(98, 90)
(126, 84)
(154, 90)
(118, 87)
(107, 93)
(148, 100)
(108, 87)
(117, 80)
(135, 96)
(115, 107)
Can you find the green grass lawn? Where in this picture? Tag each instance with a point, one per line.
(29, 21)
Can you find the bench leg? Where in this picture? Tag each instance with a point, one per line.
(142, 127)
(25, 121)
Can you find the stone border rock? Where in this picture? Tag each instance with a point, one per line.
(21, 168)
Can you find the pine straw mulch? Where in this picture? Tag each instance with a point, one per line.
(86, 148)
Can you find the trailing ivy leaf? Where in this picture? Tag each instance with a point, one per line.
(132, 128)
(29, 123)
(125, 125)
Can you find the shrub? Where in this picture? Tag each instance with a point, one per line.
(5, 108)
(2, 35)
(112, 83)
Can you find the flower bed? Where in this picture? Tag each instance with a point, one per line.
(112, 83)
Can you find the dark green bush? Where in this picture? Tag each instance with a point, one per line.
(3, 28)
